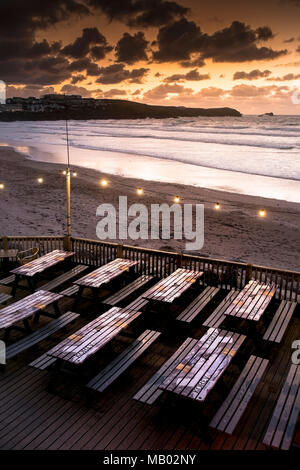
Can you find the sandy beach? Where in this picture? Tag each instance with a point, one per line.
(235, 232)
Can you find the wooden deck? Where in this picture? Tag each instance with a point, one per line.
(33, 418)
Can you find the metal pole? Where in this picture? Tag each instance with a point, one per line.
(68, 186)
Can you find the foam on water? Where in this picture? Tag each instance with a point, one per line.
(251, 155)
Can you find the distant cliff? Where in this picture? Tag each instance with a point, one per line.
(117, 109)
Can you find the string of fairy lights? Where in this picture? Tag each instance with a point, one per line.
(104, 183)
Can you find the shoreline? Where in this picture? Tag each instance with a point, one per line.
(233, 233)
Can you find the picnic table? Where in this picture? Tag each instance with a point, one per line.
(81, 345)
(173, 286)
(199, 371)
(23, 309)
(252, 301)
(37, 266)
(103, 275)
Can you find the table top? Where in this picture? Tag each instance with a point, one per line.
(106, 273)
(252, 301)
(26, 307)
(173, 286)
(197, 374)
(11, 253)
(95, 335)
(42, 263)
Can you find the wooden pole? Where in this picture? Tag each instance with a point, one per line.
(68, 187)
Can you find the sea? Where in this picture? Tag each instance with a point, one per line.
(251, 155)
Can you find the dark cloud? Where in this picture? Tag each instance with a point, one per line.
(23, 59)
(137, 92)
(114, 92)
(42, 71)
(85, 64)
(116, 73)
(287, 77)
(194, 62)
(253, 75)
(75, 90)
(82, 45)
(28, 90)
(192, 75)
(143, 13)
(162, 92)
(77, 78)
(298, 49)
(236, 43)
(287, 41)
(132, 48)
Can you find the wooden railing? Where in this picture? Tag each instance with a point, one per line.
(222, 273)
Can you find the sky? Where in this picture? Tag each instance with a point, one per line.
(244, 55)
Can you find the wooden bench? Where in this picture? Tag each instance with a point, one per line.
(40, 335)
(138, 303)
(123, 361)
(281, 428)
(127, 290)
(217, 316)
(280, 321)
(42, 362)
(70, 291)
(150, 391)
(7, 280)
(230, 412)
(63, 278)
(4, 298)
(198, 304)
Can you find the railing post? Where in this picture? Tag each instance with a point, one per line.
(120, 251)
(179, 260)
(5, 243)
(67, 243)
(248, 272)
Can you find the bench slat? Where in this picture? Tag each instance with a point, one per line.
(123, 361)
(7, 280)
(150, 391)
(217, 316)
(280, 321)
(40, 335)
(42, 362)
(4, 298)
(127, 290)
(63, 278)
(198, 304)
(230, 412)
(72, 290)
(284, 419)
